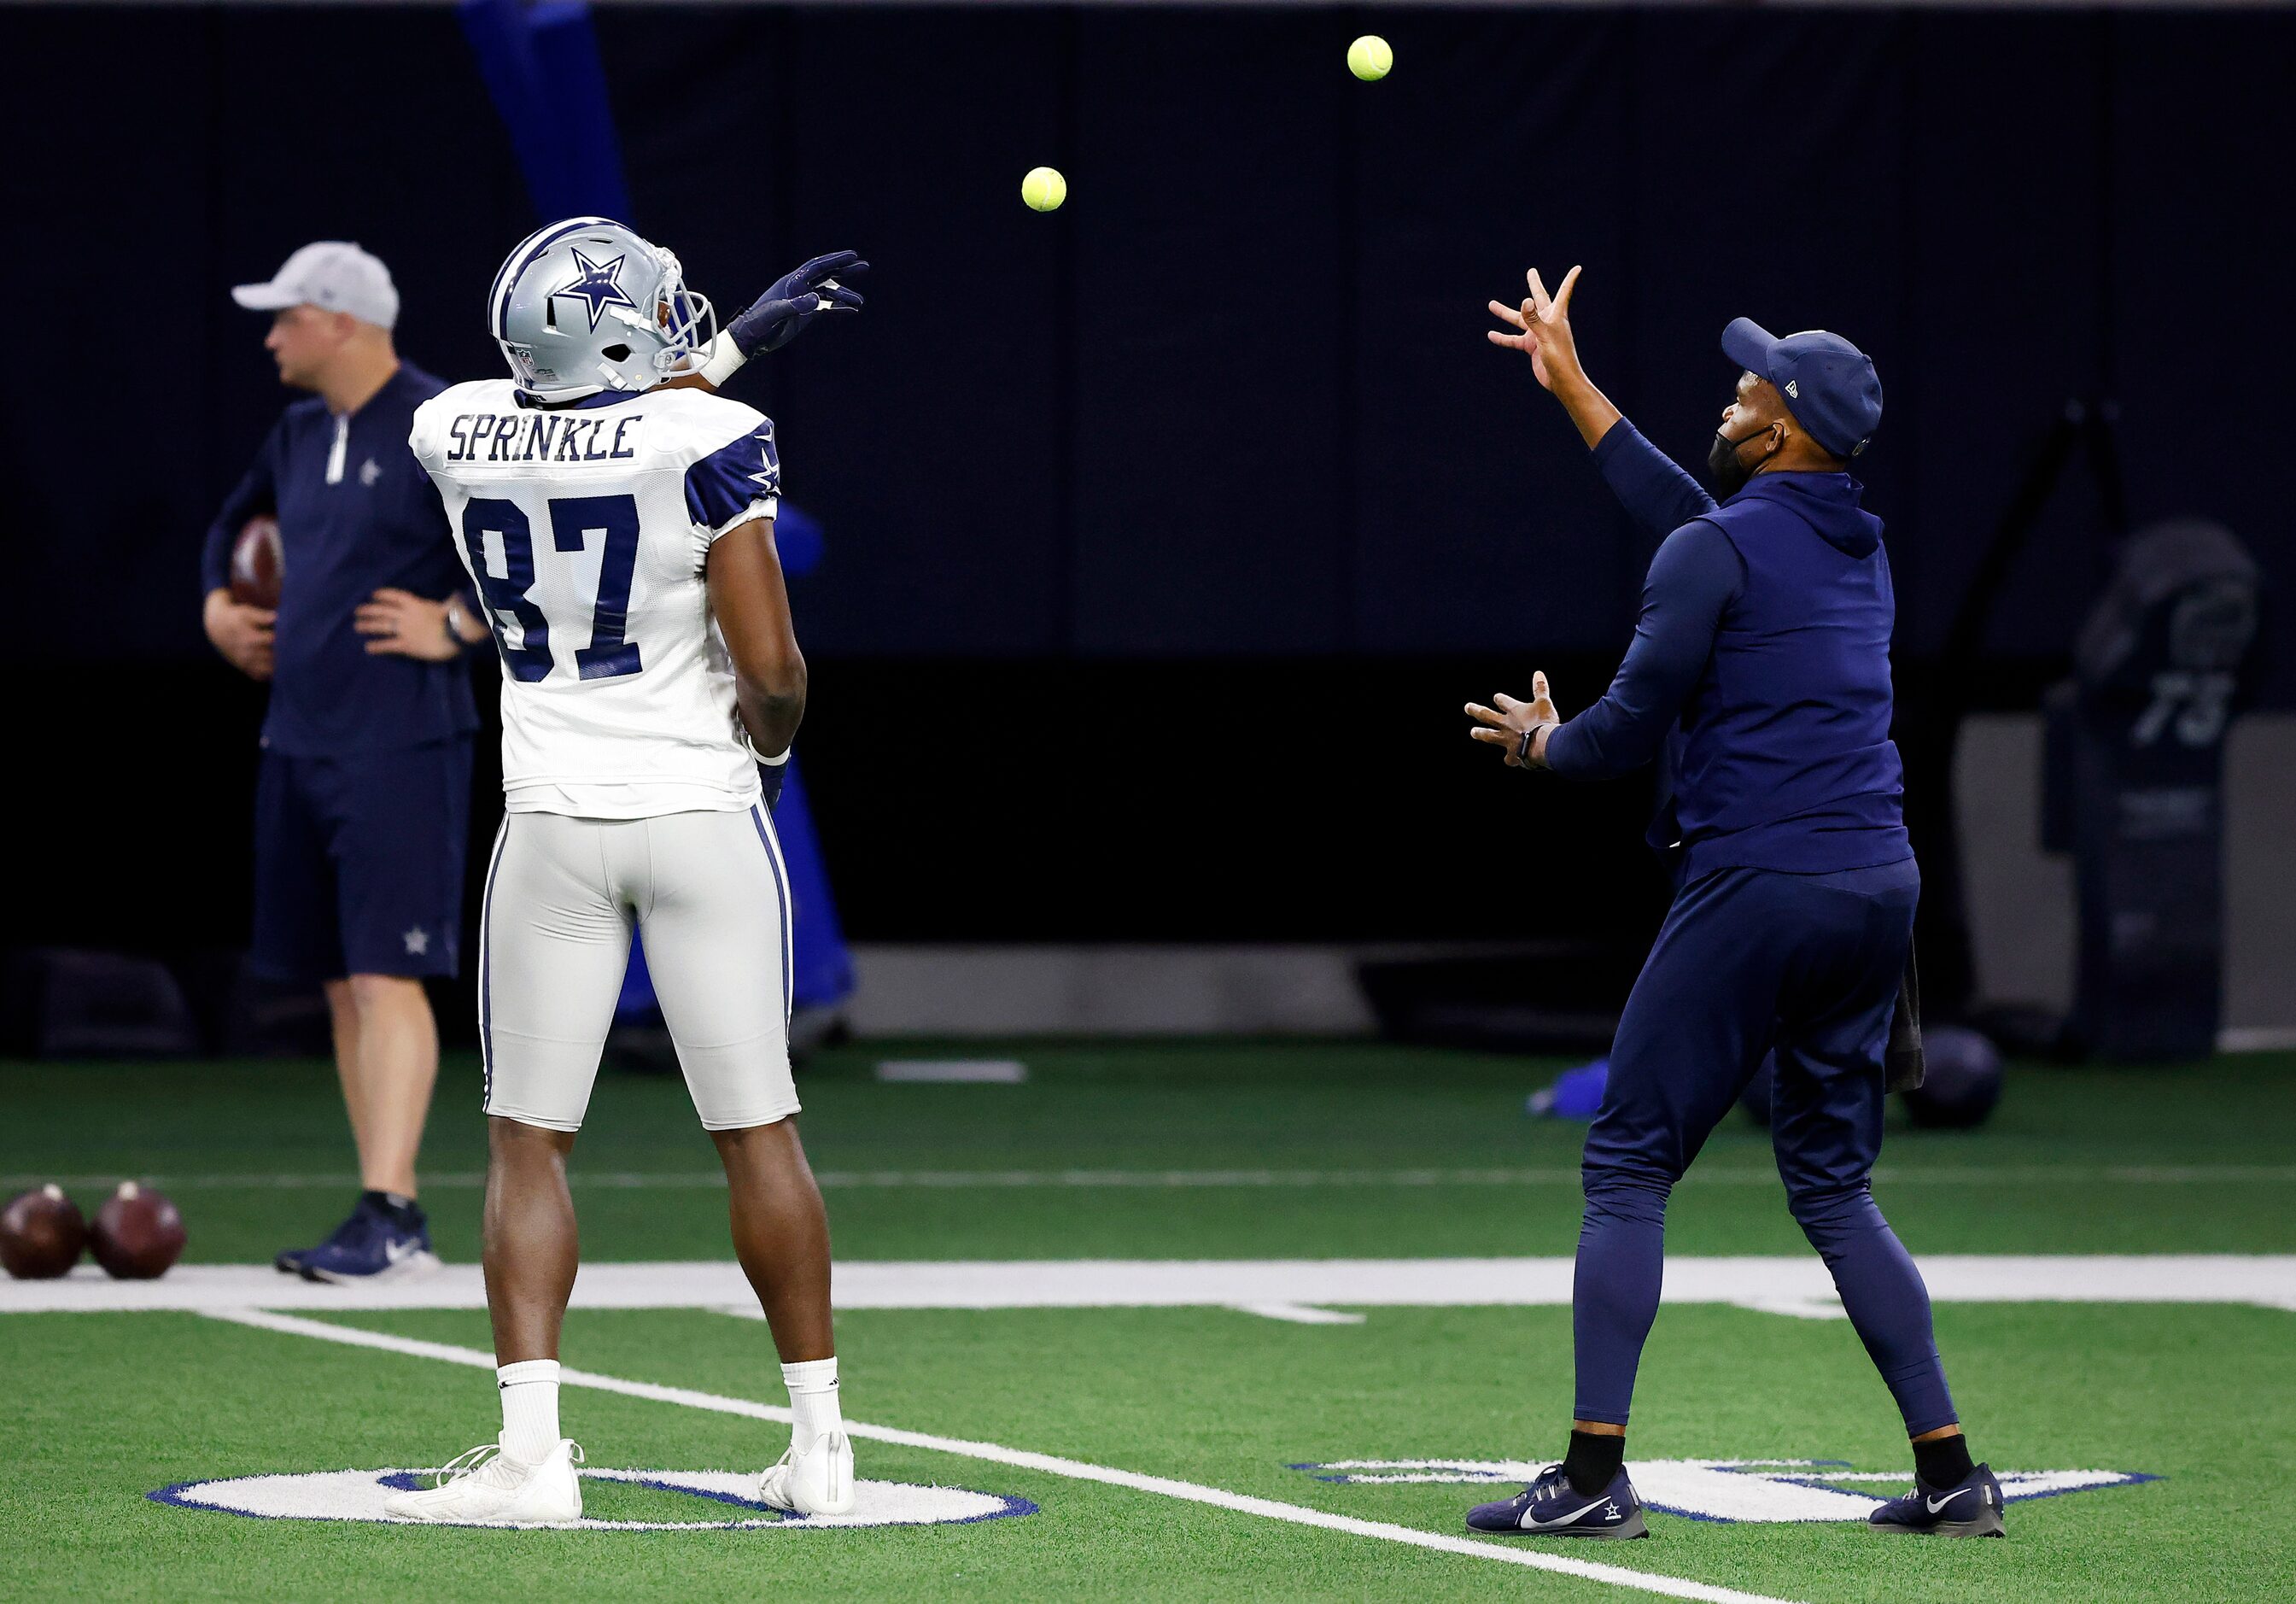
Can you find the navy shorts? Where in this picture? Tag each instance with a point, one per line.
(358, 862)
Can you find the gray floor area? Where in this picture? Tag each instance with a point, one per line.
(2020, 900)
(2020, 903)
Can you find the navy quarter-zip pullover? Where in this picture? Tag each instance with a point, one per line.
(357, 514)
(1761, 661)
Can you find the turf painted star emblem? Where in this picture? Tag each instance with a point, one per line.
(598, 286)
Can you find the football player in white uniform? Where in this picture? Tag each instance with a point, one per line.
(618, 518)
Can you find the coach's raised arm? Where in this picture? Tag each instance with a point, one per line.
(1660, 496)
(1700, 571)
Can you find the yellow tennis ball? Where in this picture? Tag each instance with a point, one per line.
(1369, 59)
(1044, 189)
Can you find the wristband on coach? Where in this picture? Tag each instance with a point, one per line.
(456, 615)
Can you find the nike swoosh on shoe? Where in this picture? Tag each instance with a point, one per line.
(1564, 1520)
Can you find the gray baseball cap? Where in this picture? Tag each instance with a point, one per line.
(332, 275)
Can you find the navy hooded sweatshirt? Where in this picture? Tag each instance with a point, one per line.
(1761, 663)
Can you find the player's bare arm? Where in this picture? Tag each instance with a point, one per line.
(1520, 727)
(400, 623)
(751, 607)
(1541, 328)
(790, 303)
(241, 633)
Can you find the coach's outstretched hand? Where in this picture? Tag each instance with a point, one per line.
(1542, 327)
(1521, 727)
(795, 299)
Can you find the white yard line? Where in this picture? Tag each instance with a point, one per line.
(1795, 1285)
(1560, 1175)
(1300, 1314)
(1022, 1459)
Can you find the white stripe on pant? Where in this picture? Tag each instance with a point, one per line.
(561, 900)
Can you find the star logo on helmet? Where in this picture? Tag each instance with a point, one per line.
(598, 286)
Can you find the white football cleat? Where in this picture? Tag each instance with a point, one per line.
(487, 1487)
(821, 1483)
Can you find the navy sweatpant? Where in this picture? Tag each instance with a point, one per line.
(1748, 961)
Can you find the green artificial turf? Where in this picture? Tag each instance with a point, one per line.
(106, 1408)
(118, 1405)
(2173, 1160)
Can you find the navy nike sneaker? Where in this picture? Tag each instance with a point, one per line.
(1551, 1507)
(290, 1261)
(373, 1245)
(1970, 1509)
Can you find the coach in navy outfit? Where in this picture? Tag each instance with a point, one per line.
(363, 802)
(1760, 666)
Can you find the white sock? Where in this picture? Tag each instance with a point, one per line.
(812, 1386)
(529, 1401)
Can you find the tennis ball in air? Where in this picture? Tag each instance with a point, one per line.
(1369, 59)
(1044, 189)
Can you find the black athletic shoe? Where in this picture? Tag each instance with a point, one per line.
(290, 1261)
(377, 1246)
(1551, 1507)
(1970, 1509)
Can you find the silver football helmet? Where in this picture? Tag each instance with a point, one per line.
(587, 305)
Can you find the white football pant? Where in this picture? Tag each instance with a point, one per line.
(710, 894)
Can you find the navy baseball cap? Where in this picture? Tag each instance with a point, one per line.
(1829, 385)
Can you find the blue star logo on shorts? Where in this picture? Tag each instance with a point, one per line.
(598, 286)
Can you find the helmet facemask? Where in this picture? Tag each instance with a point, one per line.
(687, 322)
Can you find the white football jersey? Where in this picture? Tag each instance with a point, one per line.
(585, 529)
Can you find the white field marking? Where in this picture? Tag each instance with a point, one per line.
(359, 1495)
(1797, 1284)
(1300, 1314)
(1022, 1459)
(953, 1072)
(676, 1180)
(1825, 1307)
(1731, 1490)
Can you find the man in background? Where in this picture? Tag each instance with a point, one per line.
(363, 799)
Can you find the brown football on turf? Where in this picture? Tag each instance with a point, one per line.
(256, 563)
(41, 1234)
(137, 1234)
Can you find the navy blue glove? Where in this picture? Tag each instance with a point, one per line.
(779, 315)
(770, 776)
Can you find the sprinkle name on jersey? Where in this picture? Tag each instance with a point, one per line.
(542, 437)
